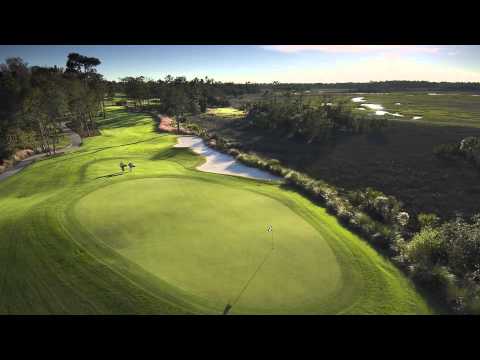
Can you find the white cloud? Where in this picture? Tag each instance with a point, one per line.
(352, 48)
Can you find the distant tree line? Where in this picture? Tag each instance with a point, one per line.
(35, 101)
(377, 86)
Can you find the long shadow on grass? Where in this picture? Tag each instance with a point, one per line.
(109, 175)
(121, 121)
(97, 150)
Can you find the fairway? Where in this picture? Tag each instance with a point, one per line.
(78, 236)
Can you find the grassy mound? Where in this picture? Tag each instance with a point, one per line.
(78, 236)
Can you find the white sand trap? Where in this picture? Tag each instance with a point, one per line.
(416, 118)
(398, 104)
(219, 163)
(373, 106)
(358, 99)
(396, 114)
(379, 110)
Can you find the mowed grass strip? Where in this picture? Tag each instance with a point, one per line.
(225, 113)
(78, 236)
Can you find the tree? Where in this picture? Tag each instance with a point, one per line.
(136, 89)
(77, 62)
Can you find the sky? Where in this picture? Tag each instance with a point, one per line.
(267, 63)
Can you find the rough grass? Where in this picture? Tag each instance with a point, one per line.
(79, 237)
(445, 108)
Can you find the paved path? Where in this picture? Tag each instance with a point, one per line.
(75, 142)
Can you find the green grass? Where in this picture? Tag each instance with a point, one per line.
(225, 113)
(446, 108)
(76, 237)
(458, 109)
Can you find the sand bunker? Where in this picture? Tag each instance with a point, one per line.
(219, 163)
(379, 110)
(359, 99)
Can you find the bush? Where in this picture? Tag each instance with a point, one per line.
(447, 151)
(193, 127)
(462, 241)
(426, 248)
(470, 149)
(425, 220)
(438, 279)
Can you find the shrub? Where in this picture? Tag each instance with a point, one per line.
(470, 149)
(403, 218)
(462, 242)
(193, 127)
(447, 151)
(437, 278)
(425, 220)
(426, 248)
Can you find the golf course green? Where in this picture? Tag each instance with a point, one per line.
(79, 236)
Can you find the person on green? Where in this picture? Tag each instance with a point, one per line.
(130, 166)
(122, 166)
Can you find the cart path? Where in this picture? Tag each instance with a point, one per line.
(75, 142)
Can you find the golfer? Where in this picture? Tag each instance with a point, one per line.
(122, 166)
(130, 166)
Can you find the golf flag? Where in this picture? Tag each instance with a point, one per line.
(269, 229)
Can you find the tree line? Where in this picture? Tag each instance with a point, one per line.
(36, 101)
(378, 86)
(179, 95)
(294, 117)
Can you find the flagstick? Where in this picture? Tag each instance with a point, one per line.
(272, 238)
(234, 302)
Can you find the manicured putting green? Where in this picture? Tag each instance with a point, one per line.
(208, 240)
